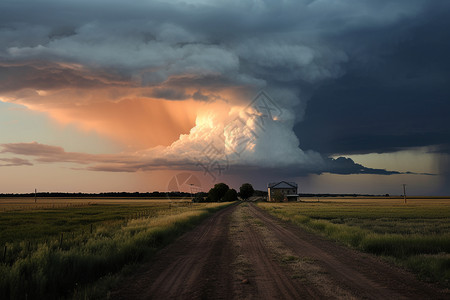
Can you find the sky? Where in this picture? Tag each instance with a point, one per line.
(340, 96)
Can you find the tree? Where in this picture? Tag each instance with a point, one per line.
(246, 191)
(230, 196)
(278, 196)
(218, 192)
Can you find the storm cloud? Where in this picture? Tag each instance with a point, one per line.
(395, 92)
(318, 60)
(255, 44)
(153, 159)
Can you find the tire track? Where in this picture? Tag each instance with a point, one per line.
(194, 267)
(270, 280)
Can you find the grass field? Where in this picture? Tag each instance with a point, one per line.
(23, 220)
(415, 235)
(57, 249)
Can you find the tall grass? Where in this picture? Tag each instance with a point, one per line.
(417, 237)
(54, 270)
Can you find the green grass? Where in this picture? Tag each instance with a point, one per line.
(123, 235)
(37, 224)
(415, 235)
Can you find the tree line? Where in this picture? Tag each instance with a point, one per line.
(100, 195)
(221, 192)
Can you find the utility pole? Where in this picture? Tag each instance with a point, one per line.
(404, 192)
(35, 195)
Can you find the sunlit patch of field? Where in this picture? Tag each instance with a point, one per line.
(415, 234)
(55, 252)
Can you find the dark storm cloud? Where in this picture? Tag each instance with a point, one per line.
(167, 93)
(340, 166)
(287, 47)
(395, 94)
(246, 41)
(49, 76)
(133, 162)
(346, 166)
(377, 71)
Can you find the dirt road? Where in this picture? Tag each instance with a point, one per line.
(241, 252)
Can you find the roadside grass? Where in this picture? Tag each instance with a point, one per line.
(416, 236)
(81, 264)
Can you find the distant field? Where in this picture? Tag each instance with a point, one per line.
(53, 248)
(23, 220)
(415, 235)
(392, 200)
(58, 202)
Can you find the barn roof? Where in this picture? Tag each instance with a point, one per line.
(282, 185)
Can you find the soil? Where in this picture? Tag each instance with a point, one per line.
(242, 252)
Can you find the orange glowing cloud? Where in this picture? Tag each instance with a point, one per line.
(138, 117)
(137, 122)
(120, 107)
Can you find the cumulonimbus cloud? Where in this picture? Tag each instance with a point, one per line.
(208, 60)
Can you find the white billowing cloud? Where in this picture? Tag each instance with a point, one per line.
(243, 136)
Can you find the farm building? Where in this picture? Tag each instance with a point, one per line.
(287, 189)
